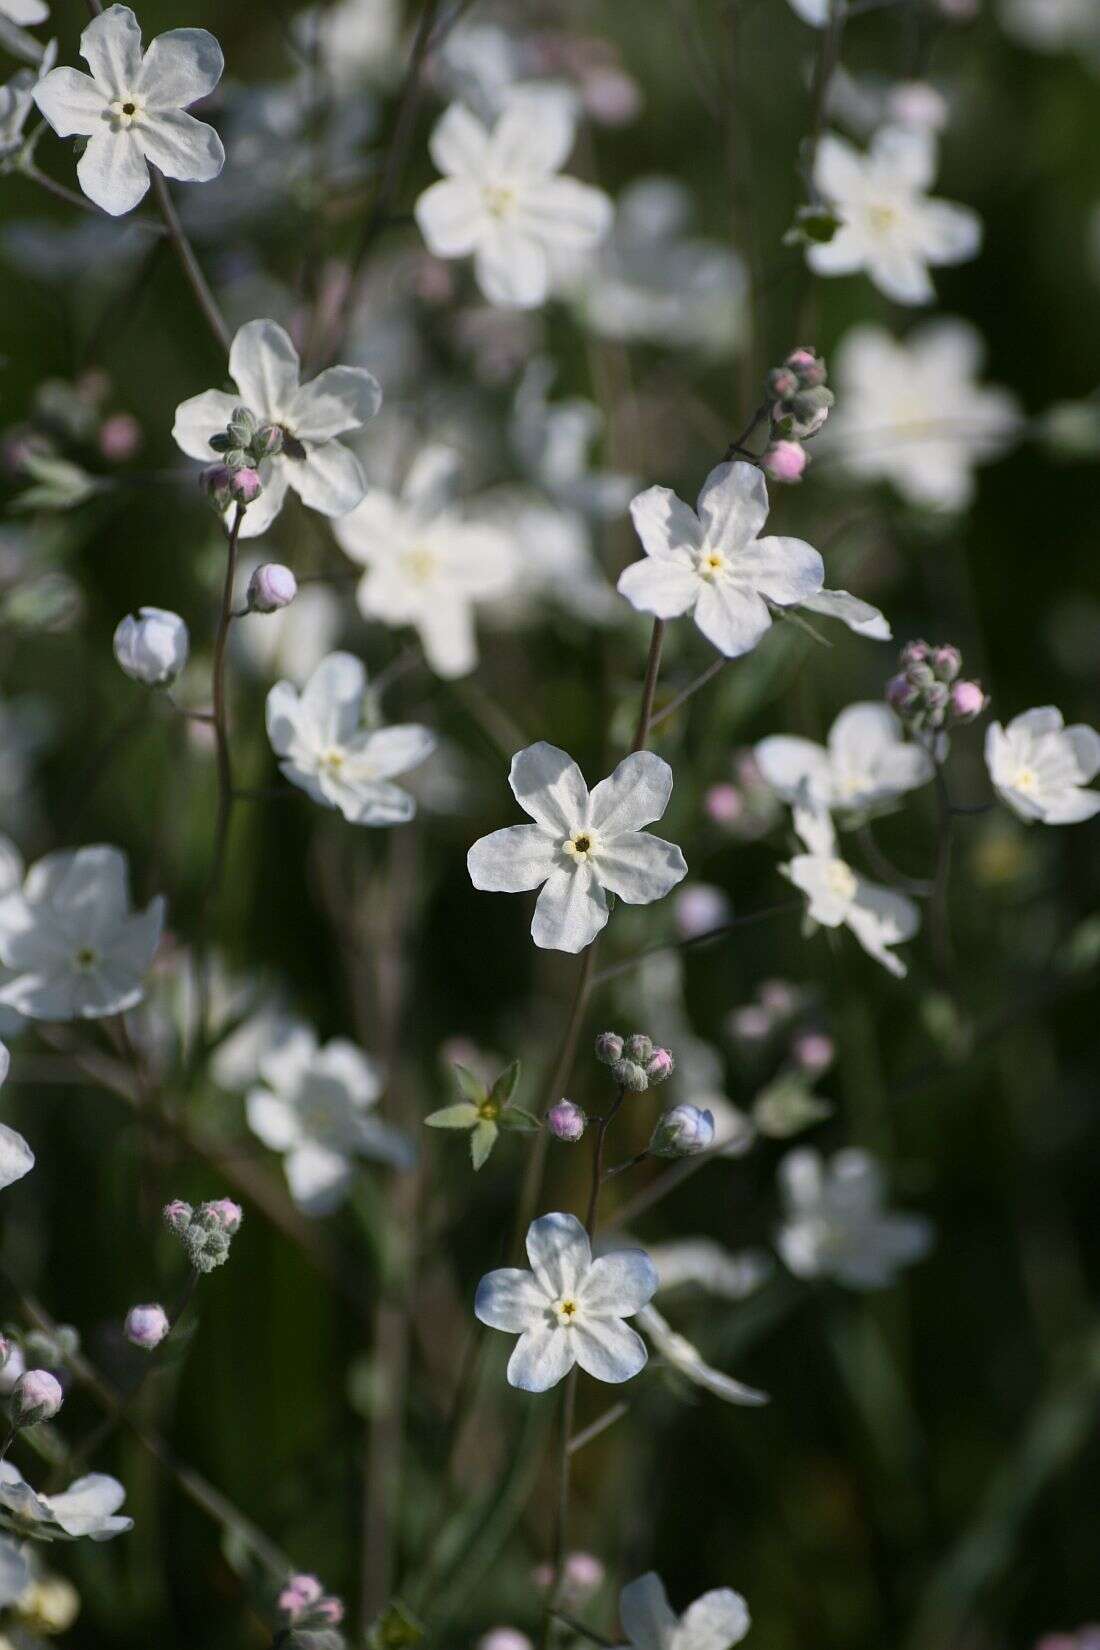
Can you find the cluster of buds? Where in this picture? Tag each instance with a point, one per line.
(636, 1062)
(305, 1604)
(242, 447)
(682, 1132)
(798, 402)
(205, 1232)
(929, 693)
(36, 1396)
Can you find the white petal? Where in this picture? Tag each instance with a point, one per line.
(448, 637)
(843, 255)
(395, 750)
(548, 785)
(666, 526)
(201, 417)
(264, 365)
(72, 102)
(25, 12)
(86, 1506)
(512, 861)
(532, 137)
(113, 172)
(647, 1617)
(619, 1284)
(431, 481)
(785, 570)
(339, 400)
(510, 1299)
(180, 67)
(259, 515)
(331, 706)
(810, 873)
(733, 505)
(182, 147)
(1085, 744)
(789, 764)
(459, 144)
(111, 47)
(272, 1120)
(634, 796)
(329, 478)
(608, 1349)
(640, 868)
(904, 154)
(734, 620)
(451, 217)
(542, 1358)
(559, 1252)
(318, 1178)
(566, 213)
(16, 1157)
(570, 911)
(714, 1622)
(839, 169)
(858, 615)
(659, 586)
(511, 268)
(950, 234)
(901, 275)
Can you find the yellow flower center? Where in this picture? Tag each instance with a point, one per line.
(1026, 780)
(421, 563)
(581, 847)
(566, 1311)
(333, 759)
(711, 563)
(882, 218)
(499, 199)
(840, 879)
(488, 1111)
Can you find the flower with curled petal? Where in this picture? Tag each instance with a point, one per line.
(569, 1308)
(1039, 767)
(837, 895)
(864, 764)
(686, 1360)
(327, 752)
(325, 474)
(715, 1621)
(88, 1507)
(582, 846)
(503, 200)
(132, 108)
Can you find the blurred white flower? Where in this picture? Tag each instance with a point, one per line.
(428, 561)
(912, 412)
(835, 1225)
(569, 1308)
(889, 225)
(836, 895)
(264, 365)
(360, 42)
(478, 65)
(132, 108)
(17, 95)
(1055, 26)
(16, 1157)
(865, 763)
(715, 1621)
(582, 846)
(235, 1063)
(315, 1106)
(502, 198)
(88, 1507)
(24, 12)
(152, 645)
(557, 564)
(74, 947)
(1039, 766)
(713, 564)
(815, 12)
(700, 1261)
(688, 1361)
(326, 750)
(552, 441)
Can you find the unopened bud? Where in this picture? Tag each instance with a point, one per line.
(660, 1065)
(724, 804)
(914, 653)
(37, 1396)
(803, 359)
(300, 1595)
(271, 587)
(638, 1047)
(946, 662)
(227, 1214)
(267, 441)
(245, 486)
(630, 1076)
(151, 646)
(609, 1047)
(146, 1326)
(967, 701)
(566, 1121)
(782, 383)
(215, 482)
(900, 693)
(813, 1052)
(177, 1215)
(682, 1132)
(785, 461)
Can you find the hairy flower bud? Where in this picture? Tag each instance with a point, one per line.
(566, 1121)
(146, 1326)
(660, 1065)
(227, 1214)
(967, 701)
(630, 1076)
(215, 482)
(299, 1595)
(271, 587)
(927, 694)
(241, 427)
(638, 1047)
(36, 1396)
(267, 441)
(785, 461)
(609, 1047)
(205, 1232)
(946, 662)
(177, 1215)
(682, 1132)
(782, 383)
(245, 486)
(152, 646)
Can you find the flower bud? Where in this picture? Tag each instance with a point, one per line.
(267, 441)
(241, 427)
(900, 693)
(566, 1121)
(146, 1326)
(785, 461)
(638, 1047)
(682, 1132)
(227, 1214)
(802, 360)
(152, 646)
(609, 1047)
(119, 437)
(177, 1215)
(914, 653)
(36, 1396)
(630, 1076)
(215, 482)
(300, 1595)
(813, 1051)
(660, 1065)
(271, 587)
(946, 662)
(245, 486)
(967, 701)
(808, 410)
(782, 383)
(698, 908)
(724, 804)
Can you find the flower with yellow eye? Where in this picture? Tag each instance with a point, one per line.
(1040, 767)
(836, 895)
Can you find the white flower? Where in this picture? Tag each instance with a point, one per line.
(552, 441)
(360, 41)
(325, 474)
(75, 948)
(427, 562)
(17, 98)
(569, 1308)
(16, 1157)
(889, 226)
(865, 763)
(581, 847)
(836, 895)
(815, 12)
(912, 412)
(1039, 766)
(326, 751)
(152, 646)
(700, 1261)
(132, 108)
(713, 565)
(24, 12)
(714, 1622)
(1055, 26)
(503, 200)
(315, 1107)
(688, 1361)
(88, 1507)
(835, 1224)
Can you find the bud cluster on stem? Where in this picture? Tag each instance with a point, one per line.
(929, 693)
(242, 447)
(797, 404)
(205, 1232)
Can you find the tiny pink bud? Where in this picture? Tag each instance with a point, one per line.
(782, 384)
(946, 662)
(785, 461)
(660, 1065)
(698, 908)
(146, 1326)
(566, 1121)
(120, 437)
(724, 804)
(300, 1594)
(779, 997)
(215, 480)
(802, 359)
(750, 1024)
(584, 1572)
(245, 486)
(37, 1396)
(271, 587)
(331, 1610)
(227, 1213)
(914, 653)
(177, 1215)
(900, 692)
(813, 1051)
(967, 701)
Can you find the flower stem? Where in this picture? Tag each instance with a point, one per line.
(938, 919)
(184, 251)
(649, 687)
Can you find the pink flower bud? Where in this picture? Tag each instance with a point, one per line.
(300, 1594)
(245, 486)
(779, 998)
(584, 1572)
(750, 1024)
(946, 662)
(660, 1065)
(120, 437)
(146, 1326)
(698, 908)
(724, 804)
(609, 1047)
(802, 359)
(785, 461)
(813, 1051)
(177, 1215)
(967, 701)
(782, 384)
(331, 1610)
(566, 1121)
(37, 1396)
(914, 653)
(227, 1214)
(271, 587)
(900, 692)
(214, 481)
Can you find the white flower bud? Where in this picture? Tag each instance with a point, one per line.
(37, 1396)
(271, 587)
(682, 1132)
(152, 646)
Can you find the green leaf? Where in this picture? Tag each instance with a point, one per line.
(482, 1141)
(520, 1121)
(813, 226)
(462, 1116)
(505, 1085)
(468, 1083)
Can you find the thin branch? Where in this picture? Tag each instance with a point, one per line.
(689, 692)
(184, 251)
(598, 1426)
(708, 938)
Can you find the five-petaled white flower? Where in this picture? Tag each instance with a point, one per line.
(503, 200)
(427, 561)
(912, 412)
(326, 750)
(1039, 766)
(865, 763)
(713, 564)
(325, 474)
(581, 847)
(835, 1225)
(715, 1621)
(569, 1308)
(132, 108)
(314, 1105)
(889, 226)
(75, 949)
(836, 895)
(88, 1507)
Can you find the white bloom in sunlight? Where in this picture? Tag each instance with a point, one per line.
(688, 1361)
(701, 1261)
(314, 1105)
(836, 895)
(17, 98)
(75, 949)
(132, 108)
(582, 846)
(1038, 766)
(912, 412)
(713, 564)
(715, 1621)
(503, 200)
(329, 754)
(552, 441)
(264, 365)
(569, 1308)
(889, 225)
(88, 1507)
(24, 12)
(360, 41)
(1055, 26)
(427, 561)
(865, 763)
(835, 1225)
